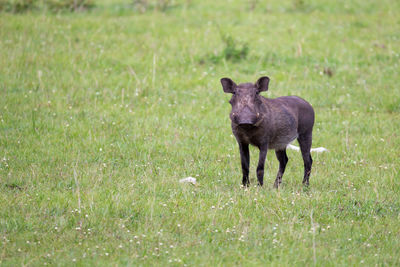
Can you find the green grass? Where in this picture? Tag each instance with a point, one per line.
(102, 112)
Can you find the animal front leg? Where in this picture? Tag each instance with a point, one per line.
(261, 164)
(245, 160)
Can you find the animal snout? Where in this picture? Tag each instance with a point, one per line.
(245, 118)
(247, 121)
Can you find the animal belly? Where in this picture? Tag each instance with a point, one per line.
(280, 142)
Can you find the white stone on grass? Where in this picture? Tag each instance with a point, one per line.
(318, 149)
(189, 179)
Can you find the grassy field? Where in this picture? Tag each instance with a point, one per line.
(103, 111)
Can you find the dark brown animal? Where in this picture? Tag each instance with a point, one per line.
(269, 124)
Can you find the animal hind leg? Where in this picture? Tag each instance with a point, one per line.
(305, 141)
(283, 160)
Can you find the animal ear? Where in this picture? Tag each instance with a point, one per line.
(262, 84)
(228, 85)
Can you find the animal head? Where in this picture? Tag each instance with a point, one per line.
(246, 101)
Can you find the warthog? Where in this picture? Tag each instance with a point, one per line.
(269, 124)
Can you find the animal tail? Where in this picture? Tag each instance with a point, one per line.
(318, 149)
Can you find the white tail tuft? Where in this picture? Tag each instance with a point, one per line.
(318, 149)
